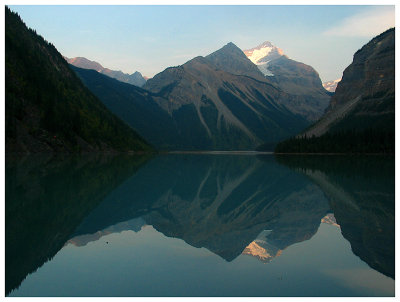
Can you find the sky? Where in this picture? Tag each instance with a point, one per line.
(151, 38)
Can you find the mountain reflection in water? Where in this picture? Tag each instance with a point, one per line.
(228, 204)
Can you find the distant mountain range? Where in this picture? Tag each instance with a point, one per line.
(331, 85)
(361, 113)
(218, 102)
(135, 78)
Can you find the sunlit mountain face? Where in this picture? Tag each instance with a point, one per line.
(331, 85)
(135, 78)
(262, 55)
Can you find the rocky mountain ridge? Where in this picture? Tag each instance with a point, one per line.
(135, 78)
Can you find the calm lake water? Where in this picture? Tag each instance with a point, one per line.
(200, 225)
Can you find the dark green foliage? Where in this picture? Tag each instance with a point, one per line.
(345, 141)
(47, 107)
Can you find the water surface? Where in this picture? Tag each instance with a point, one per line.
(200, 225)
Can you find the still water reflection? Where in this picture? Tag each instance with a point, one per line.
(200, 225)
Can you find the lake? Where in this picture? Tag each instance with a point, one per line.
(200, 225)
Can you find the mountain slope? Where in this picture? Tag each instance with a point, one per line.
(47, 107)
(133, 105)
(226, 110)
(135, 78)
(361, 114)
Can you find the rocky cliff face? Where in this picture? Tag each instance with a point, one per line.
(364, 98)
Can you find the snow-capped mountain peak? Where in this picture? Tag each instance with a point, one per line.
(262, 54)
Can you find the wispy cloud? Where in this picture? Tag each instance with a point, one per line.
(365, 24)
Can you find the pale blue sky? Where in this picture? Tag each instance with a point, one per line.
(152, 38)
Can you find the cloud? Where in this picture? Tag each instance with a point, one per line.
(365, 24)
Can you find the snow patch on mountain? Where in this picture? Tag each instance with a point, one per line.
(263, 67)
(262, 55)
(258, 54)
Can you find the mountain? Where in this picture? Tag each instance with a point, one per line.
(295, 78)
(200, 106)
(218, 102)
(135, 78)
(216, 109)
(230, 58)
(47, 107)
(331, 85)
(361, 113)
(229, 103)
